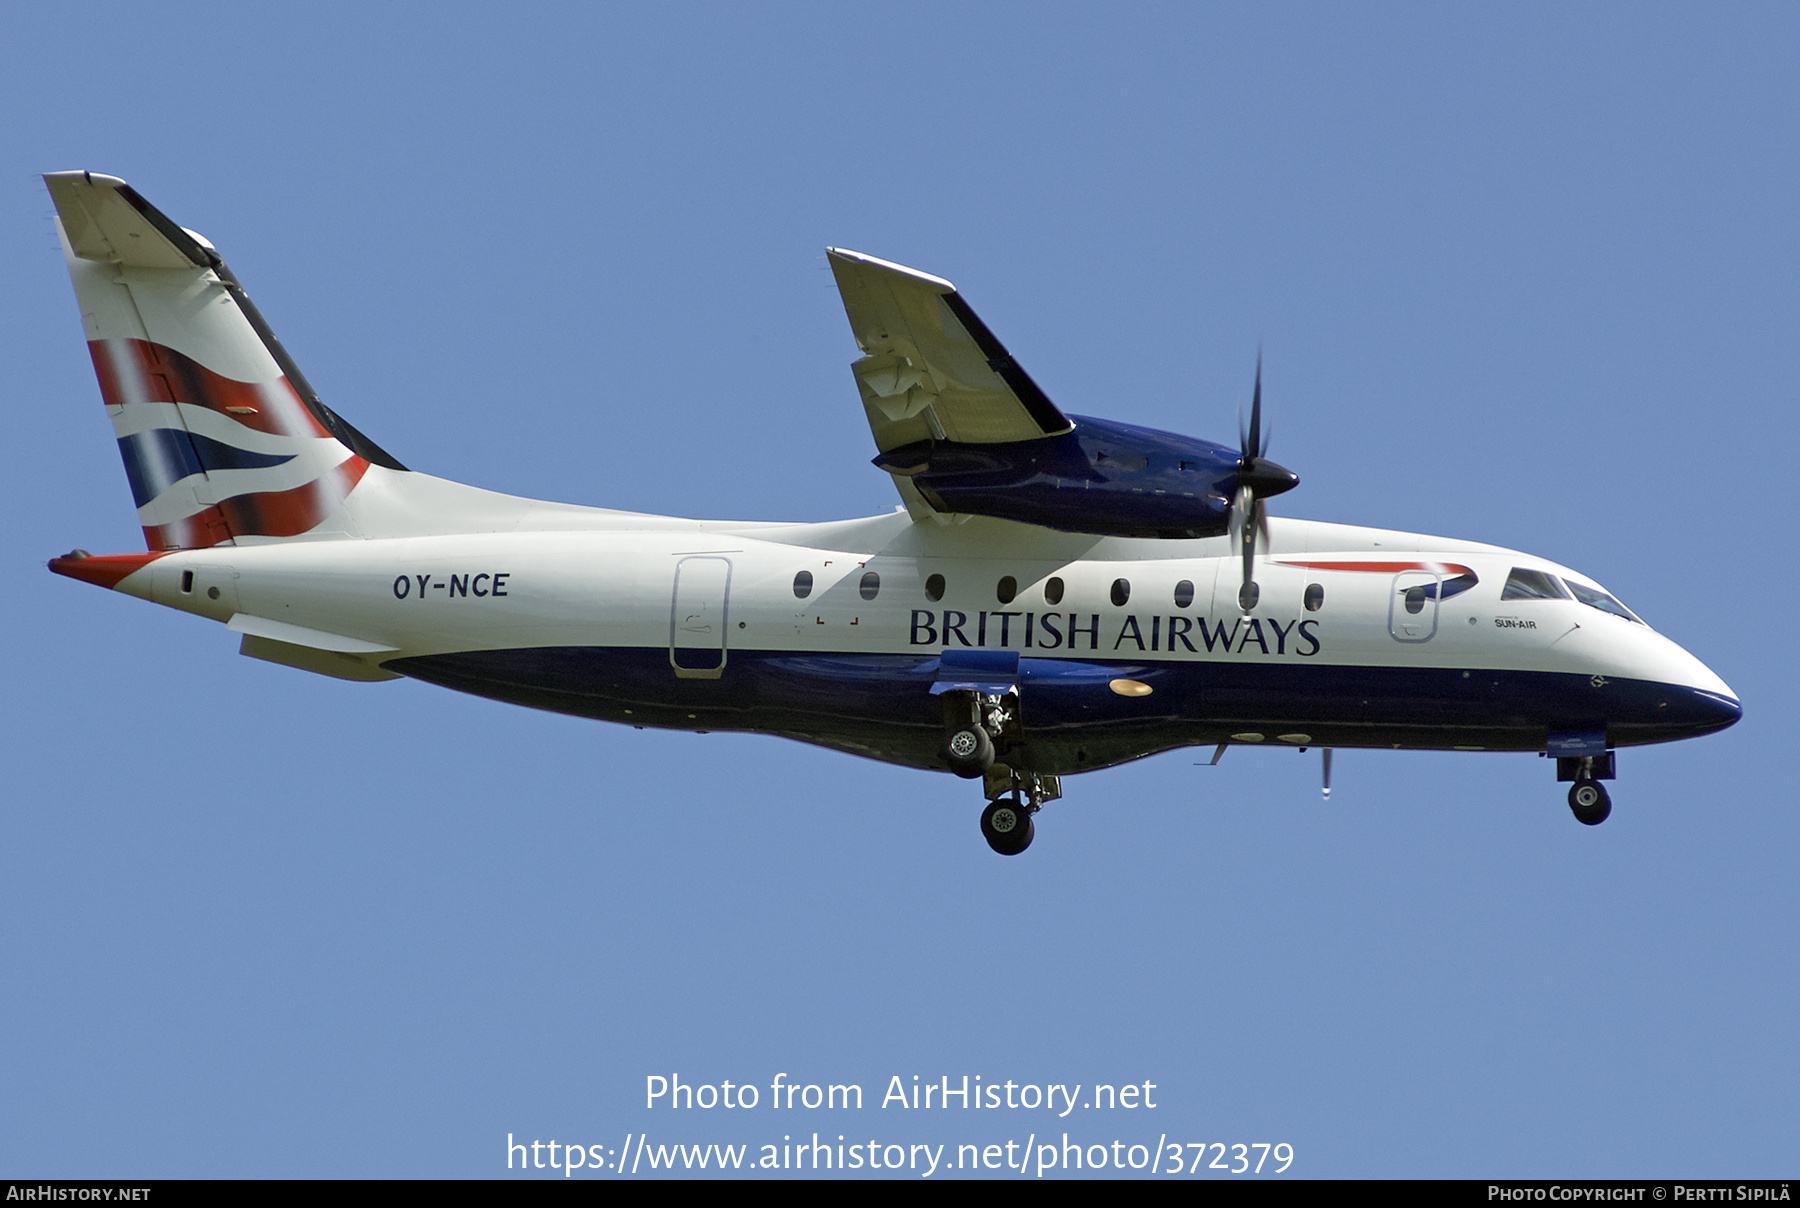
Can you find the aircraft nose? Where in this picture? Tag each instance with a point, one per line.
(1692, 709)
(1714, 710)
(1711, 704)
(1678, 696)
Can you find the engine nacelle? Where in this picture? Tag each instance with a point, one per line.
(1111, 479)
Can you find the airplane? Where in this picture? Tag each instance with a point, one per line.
(1056, 594)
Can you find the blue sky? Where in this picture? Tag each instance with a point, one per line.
(1523, 274)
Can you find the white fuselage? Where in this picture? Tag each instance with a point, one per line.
(609, 581)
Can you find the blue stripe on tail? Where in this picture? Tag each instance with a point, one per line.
(160, 457)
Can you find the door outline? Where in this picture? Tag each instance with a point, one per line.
(1422, 625)
(678, 623)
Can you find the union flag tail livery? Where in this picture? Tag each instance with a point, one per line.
(1059, 593)
(223, 440)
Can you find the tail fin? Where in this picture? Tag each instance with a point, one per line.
(223, 438)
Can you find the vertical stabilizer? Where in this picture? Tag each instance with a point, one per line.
(223, 439)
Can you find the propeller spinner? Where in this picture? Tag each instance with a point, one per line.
(1257, 479)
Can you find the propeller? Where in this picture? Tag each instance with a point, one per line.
(1257, 479)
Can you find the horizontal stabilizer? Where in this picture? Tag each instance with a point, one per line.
(299, 635)
(333, 663)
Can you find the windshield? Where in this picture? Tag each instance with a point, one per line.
(1593, 597)
(1532, 585)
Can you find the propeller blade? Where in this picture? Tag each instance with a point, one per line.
(1327, 751)
(1257, 478)
(1252, 446)
(1248, 587)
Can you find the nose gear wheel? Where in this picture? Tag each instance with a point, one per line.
(1590, 802)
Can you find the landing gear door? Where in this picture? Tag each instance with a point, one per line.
(697, 617)
(1413, 606)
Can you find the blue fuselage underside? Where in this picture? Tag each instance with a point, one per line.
(880, 706)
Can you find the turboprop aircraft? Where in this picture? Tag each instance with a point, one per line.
(1057, 595)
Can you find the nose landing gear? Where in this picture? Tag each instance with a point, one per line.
(1588, 799)
(1590, 802)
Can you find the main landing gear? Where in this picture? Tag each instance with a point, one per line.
(1006, 825)
(1014, 797)
(969, 750)
(978, 728)
(974, 722)
(1588, 799)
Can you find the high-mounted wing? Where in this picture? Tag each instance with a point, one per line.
(930, 369)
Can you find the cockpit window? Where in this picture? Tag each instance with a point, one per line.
(1593, 597)
(1532, 585)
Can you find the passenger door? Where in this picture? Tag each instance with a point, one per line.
(1413, 605)
(698, 616)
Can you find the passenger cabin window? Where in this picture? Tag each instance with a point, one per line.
(1532, 585)
(1121, 592)
(870, 587)
(1053, 590)
(1593, 597)
(1415, 599)
(803, 585)
(934, 588)
(1184, 594)
(1006, 589)
(1315, 597)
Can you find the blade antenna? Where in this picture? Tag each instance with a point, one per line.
(1217, 755)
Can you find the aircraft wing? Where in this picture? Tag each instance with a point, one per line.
(931, 370)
